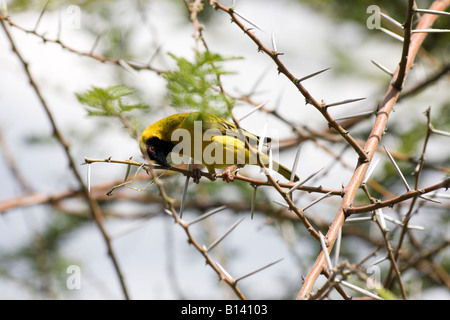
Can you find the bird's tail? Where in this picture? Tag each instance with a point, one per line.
(285, 172)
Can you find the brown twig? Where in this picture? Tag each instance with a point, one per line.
(424, 84)
(417, 173)
(296, 81)
(90, 54)
(372, 142)
(93, 205)
(407, 28)
(210, 176)
(169, 203)
(284, 194)
(194, 8)
(391, 202)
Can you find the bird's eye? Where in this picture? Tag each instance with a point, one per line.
(151, 149)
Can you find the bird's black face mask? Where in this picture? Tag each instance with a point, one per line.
(158, 150)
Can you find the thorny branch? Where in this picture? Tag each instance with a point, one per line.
(169, 203)
(413, 194)
(296, 81)
(374, 137)
(93, 204)
(90, 54)
(411, 44)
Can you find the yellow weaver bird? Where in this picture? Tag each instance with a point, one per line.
(208, 139)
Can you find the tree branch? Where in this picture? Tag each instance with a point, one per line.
(371, 144)
(93, 205)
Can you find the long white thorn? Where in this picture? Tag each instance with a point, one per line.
(253, 204)
(337, 248)
(218, 240)
(89, 177)
(295, 165)
(402, 177)
(343, 102)
(360, 290)
(394, 24)
(325, 251)
(317, 200)
(431, 31)
(253, 110)
(358, 115)
(383, 68)
(258, 270)
(248, 20)
(285, 205)
(371, 169)
(300, 183)
(440, 132)
(392, 34)
(274, 45)
(183, 198)
(312, 75)
(225, 272)
(380, 216)
(207, 214)
(442, 13)
(360, 219)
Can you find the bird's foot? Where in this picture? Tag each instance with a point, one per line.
(229, 173)
(196, 174)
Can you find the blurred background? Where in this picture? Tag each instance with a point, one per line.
(45, 224)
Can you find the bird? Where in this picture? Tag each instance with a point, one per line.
(209, 140)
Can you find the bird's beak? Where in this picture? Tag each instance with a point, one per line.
(161, 159)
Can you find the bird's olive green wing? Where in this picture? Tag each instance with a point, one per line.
(225, 127)
(228, 128)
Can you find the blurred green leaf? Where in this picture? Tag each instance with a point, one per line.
(112, 102)
(196, 85)
(108, 102)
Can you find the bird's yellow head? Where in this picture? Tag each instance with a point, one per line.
(156, 143)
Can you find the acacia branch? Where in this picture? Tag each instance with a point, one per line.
(169, 203)
(371, 145)
(210, 176)
(407, 27)
(274, 55)
(391, 202)
(90, 54)
(93, 205)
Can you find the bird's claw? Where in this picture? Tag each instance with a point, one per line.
(196, 174)
(228, 174)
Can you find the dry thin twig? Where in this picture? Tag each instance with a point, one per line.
(365, 150)
(411, 45)
(90, 54)
(93, 204)
(283, 70)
